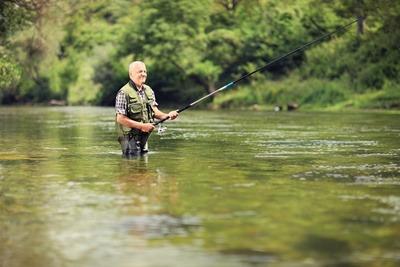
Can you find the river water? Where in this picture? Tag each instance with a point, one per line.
(219, 188)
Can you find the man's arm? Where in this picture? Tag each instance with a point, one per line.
(161, 115)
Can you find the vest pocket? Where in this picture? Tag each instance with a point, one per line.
(135, 108)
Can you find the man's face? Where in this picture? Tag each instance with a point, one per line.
(139, 74)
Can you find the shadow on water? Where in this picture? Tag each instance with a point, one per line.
(331, 251)
(252, 257)
(152, 191)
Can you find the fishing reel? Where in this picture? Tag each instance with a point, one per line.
(161, 129)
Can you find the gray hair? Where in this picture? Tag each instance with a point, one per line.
(133, 65)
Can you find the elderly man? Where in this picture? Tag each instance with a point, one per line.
(136, 108)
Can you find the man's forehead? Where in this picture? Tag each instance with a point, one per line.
(137, 66)
(140, 67)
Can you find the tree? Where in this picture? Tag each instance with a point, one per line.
(374, 54)
(14, 16)
(171, 37)
(199, 43)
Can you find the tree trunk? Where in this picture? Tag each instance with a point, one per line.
(360, 25)
(211, 87)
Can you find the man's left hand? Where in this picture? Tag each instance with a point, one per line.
(173, 114)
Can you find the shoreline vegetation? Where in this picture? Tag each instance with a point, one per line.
(211, 106)
(67, 53)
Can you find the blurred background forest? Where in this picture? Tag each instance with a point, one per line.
(77, 52)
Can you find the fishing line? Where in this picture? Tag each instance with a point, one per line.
(277, 59)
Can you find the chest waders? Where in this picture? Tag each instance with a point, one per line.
(134, 141)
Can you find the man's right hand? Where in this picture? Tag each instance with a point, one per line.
(147, 127)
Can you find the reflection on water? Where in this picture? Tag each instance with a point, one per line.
(217, 189)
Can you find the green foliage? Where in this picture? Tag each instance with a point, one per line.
(326, 61)
(10, 74)
(323, 93)
(239, 98)
(367, 61)
(79, 51)
(170, 36)
(387, 98)
(111, 75)
(13, 17)
(306, 93)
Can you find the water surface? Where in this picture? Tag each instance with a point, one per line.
(219, 188)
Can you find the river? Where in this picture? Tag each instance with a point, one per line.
(218, 188)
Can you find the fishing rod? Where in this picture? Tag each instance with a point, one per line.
(277, 59)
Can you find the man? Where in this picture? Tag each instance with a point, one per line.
(136, 108)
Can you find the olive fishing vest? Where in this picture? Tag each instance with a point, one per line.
(138, 109)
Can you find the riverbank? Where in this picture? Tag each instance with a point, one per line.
(310, 94)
